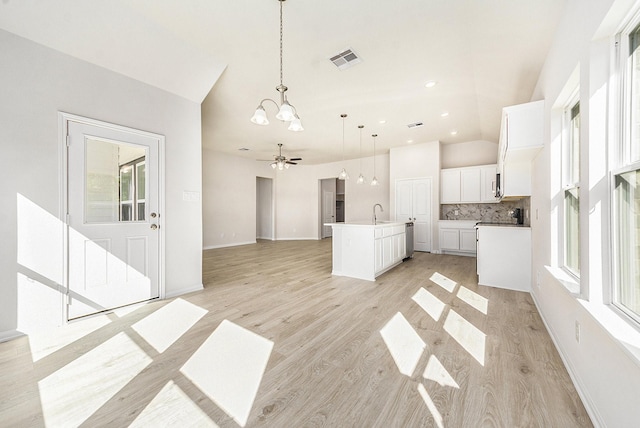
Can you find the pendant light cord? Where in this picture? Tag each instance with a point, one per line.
(281, 1)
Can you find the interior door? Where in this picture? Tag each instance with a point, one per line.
(113, 220)
(328, 212)
(422, 214)
(413, 203)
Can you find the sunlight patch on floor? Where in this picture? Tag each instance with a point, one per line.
(171, 407)
(466, 334)
(430, 303)
(166, 325)
(436, 372)
(444, 282)
(437, 417)
(46, 341)
(228, 368)
(74, 392)
(405, 345)
(473, 299)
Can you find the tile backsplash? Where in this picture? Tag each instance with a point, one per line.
(492, 213)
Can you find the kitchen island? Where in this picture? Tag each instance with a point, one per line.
(366, 250)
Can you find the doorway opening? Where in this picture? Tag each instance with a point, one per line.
(264, 208)
(332, 204)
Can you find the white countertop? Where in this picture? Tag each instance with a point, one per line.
(367, 224)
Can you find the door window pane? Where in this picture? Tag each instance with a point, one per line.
(112, 174)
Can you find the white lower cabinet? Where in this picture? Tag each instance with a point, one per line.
(504, 257)
(390, 247)
(458, 237)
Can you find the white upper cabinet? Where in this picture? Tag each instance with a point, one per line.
(469, 185)
(450, 185)
(521, 138)
(488, 183)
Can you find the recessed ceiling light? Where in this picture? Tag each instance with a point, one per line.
(383, 121)
(409, 141)
(444, 114)
(454, 132)
(430, 84)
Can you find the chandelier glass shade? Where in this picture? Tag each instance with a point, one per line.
(286, 111)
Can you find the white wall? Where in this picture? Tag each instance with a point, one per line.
(605, 372)
(469, 153)
(37, 83)
(229, 198)
(418, 161)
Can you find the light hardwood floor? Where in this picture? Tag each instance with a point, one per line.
(329, 365)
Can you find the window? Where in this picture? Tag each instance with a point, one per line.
(571, 173)
(626, 186)
(132, 191)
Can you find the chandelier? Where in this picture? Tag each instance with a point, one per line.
(286, 111)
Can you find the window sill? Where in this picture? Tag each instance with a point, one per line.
(609, 318)
(565, 279)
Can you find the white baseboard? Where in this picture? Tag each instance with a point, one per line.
(589, 406)
(181, 291)
(6, 336)
(233, 244)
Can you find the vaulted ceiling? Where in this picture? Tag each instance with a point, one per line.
(483, 54)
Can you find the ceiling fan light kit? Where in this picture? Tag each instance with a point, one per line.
(281, 162)
(286, 111)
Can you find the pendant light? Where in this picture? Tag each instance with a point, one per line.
(374, 180)
(343, 174)
(361, 179)
(286, 111)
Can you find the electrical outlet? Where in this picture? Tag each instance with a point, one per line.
(577, 332)
(456, 212)
(538, 278)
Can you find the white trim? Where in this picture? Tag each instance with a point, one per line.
(63, 125)
(8, 335)
(184, 290)
(233, 244)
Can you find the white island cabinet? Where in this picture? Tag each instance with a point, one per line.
(365, 250)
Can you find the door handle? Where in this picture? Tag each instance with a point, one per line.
(154, 215)
(154, 226)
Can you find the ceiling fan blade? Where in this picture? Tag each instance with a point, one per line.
(296, 159)
(292, 163)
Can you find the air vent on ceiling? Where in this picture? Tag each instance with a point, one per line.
(415, 125)
(243, 149)
(345, 59)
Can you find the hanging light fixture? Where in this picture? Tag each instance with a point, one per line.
(343, 174)
(374, 180)
(286, 111)
(361, 179)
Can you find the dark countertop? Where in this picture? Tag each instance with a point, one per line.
(482, 223)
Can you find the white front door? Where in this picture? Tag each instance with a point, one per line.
(113, 219)
(328, 212)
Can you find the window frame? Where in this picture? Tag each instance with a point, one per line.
(569, 182)
(621, 161)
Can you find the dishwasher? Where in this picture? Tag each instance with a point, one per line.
(409, 240)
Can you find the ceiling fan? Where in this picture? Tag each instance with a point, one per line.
(281, 162)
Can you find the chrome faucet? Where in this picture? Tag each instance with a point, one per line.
(374, 212)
